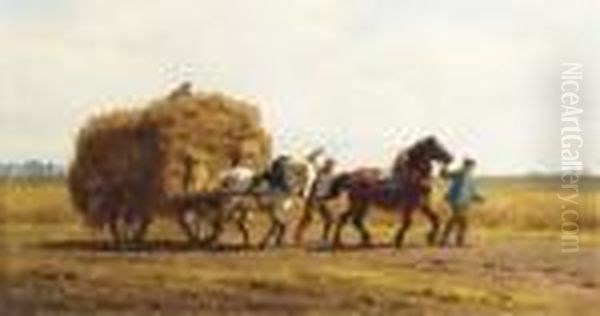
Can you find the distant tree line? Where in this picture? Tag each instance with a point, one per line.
(31, 170)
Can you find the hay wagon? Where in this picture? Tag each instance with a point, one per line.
(130, 166)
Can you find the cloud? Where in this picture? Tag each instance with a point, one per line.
(364, 77)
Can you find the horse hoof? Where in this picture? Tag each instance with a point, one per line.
(398, 244)
(298, 240)
(431, 239)
(431, 243)
(324, 244)
(262, 245)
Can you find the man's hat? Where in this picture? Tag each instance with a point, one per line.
(469, 162)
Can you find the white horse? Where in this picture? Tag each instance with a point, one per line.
(315, 194)
(301, 174)
(251, 190)
(243, 190)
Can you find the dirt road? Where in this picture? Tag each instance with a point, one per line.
(502, 273)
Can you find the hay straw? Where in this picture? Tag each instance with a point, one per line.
(131, 161)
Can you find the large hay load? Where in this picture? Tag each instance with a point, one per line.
(129, 163)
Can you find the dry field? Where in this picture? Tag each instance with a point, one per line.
(52, 264)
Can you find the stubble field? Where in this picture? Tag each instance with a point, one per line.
(52, 264)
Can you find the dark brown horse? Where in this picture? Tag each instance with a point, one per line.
(407, 190)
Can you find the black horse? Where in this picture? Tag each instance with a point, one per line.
(407, 189)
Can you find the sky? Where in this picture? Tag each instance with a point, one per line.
(362, 78)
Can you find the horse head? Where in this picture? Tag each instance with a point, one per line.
(286, 174)
(430, 149)
(297, 176)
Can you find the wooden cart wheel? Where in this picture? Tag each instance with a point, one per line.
(199, 227)
(129, 229)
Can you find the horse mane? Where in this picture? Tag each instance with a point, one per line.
(413, 159)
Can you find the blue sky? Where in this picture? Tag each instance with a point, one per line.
(362, 78)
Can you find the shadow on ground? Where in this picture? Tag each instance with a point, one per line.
(149, 246)
(184, 246)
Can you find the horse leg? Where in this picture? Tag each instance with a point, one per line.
(305, 220)
(342, 220)
(241, 224)
(406, 223)
(217, 226)
(358, 220)
(280, 237)
(434, 222)
(272, 229)
(277, 228)
(282, 207)
(327, 219)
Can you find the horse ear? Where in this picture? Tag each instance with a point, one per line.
(431, 139)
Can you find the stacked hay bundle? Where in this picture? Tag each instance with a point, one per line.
(131, 161)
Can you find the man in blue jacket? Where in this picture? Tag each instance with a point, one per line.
(462, 192)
